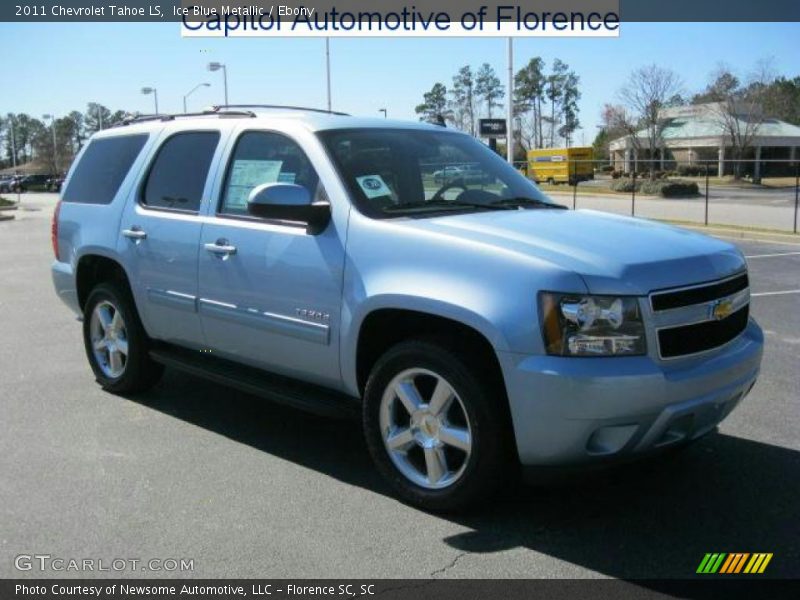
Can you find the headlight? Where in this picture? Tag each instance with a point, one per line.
(578, 325)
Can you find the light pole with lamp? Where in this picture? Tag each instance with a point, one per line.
(215, 66)
(328, 69)
(151, 90)
(13, 145)
(191, 91)
(385, 114)
(55, 150)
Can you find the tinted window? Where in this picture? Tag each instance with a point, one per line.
(102, 168)
(262, 157)
(396, 172)
(178, 175)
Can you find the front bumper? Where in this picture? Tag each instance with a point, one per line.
(569, 411)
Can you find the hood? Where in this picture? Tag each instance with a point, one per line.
(613, 254)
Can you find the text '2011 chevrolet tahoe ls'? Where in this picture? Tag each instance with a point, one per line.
(475, 325)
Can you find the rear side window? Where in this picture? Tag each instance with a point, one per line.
(102, 168)
(179, 173)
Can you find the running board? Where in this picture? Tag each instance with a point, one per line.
(283, 390)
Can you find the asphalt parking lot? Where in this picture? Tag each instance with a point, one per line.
(250, 489)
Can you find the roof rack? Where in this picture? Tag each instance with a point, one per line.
(219, 107)
(171, 117)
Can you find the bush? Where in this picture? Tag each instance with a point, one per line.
(673, 189)
(691, 170)
(668, 189)
(616, 174)
(607, 168)
(657, 187)
(651, 188)
(624, 185)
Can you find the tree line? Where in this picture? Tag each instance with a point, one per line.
(545, 103)
(32, 139)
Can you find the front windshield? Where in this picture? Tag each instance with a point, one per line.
(411, 172)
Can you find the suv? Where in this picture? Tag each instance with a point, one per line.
(474, 327)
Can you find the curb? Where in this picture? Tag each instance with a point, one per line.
(6, 217)
(758, 236)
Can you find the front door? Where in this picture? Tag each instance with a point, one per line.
(270, 292)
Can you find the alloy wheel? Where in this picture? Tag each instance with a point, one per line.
(109, 338)
(425, 428)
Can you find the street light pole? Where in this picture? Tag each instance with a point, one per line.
(13, 146)
(510, 104)
(216, 66)
(55, 148)
(151, 90)
(328, 68)
(191, 91)
(385, 114)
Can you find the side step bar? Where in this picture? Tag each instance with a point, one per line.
(284, 390)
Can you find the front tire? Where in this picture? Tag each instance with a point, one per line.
(436, 430)
(116, 343)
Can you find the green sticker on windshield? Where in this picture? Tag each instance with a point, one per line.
(373, 186)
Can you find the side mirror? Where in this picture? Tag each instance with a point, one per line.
(289, 202)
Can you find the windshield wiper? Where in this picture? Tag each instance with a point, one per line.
(527, 202)
(456, 204)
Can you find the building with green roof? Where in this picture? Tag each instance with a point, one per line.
(696, 135)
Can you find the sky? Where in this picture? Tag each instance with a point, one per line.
(59, 67)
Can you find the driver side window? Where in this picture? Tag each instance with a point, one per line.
(264, 157)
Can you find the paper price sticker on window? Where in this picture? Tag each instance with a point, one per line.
(248, 174)
(373, 186)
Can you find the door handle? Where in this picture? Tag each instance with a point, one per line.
(221, 248)
(135, 233)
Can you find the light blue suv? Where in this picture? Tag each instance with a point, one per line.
(475, 325)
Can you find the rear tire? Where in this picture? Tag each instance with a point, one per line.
(437, 432)
(116, 344)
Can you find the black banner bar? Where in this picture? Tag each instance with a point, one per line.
(716, 587)
(626, 10)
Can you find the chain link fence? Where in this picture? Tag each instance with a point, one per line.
(692, 193)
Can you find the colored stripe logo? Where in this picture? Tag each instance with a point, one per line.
(734, 562)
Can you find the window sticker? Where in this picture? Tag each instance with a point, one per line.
(373, 186)
(248, 174)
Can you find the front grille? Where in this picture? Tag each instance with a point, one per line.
(697, 295)
(691, 339)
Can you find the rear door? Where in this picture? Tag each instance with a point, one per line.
(160, 233)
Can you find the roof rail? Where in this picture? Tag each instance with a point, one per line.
(220, 107)
(171, 117)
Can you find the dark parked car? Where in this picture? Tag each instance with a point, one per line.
(54, 183)
(33, 183)
(9, 184)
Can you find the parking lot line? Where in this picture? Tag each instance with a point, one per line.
(773, 255)
(748, 240)
(781, 293)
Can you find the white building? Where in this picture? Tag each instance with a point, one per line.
(695, 135)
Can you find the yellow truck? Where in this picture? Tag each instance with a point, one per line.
(561, 165)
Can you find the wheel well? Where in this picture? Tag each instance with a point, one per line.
(95, 269)
(384, 328)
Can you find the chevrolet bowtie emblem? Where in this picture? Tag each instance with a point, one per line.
(721, 309)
